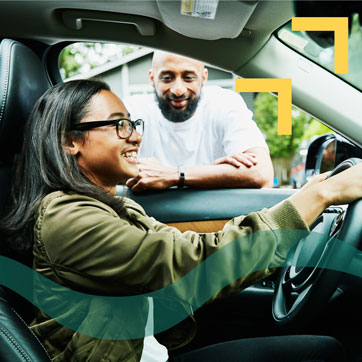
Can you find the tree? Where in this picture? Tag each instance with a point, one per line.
(303, 126)
(80, 58)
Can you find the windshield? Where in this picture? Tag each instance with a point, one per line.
(301, 42)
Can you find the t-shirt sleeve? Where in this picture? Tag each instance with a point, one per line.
(240, 132)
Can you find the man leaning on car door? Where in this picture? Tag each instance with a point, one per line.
(196, 135)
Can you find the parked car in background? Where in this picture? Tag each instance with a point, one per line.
(297, 167)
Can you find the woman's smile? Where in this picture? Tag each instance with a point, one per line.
(131, 156)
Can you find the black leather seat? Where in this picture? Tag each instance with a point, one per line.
(23, 80)
(17, 342)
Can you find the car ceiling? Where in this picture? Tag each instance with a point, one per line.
(156, 23)
(159, 24)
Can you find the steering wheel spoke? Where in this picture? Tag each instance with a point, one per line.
(318, 263)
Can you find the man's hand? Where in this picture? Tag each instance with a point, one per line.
(247, 159)
(153, 175)
(224, 172)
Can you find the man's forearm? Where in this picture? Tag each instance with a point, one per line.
(155, 176)
(224, 175)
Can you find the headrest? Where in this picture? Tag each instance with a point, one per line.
(22, 81)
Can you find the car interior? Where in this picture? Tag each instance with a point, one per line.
(242, 37)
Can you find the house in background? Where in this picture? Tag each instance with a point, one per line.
(129, 76)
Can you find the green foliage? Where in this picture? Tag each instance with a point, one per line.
(355, 53)
(80, 58)
(354, 75)
(303, 126)
(68, 66)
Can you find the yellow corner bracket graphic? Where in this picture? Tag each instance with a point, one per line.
(339, 25)
(284, 89)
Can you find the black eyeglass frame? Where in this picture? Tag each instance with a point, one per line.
(86, 126)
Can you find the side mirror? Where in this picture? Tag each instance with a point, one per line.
(326, 156)
(326, 152)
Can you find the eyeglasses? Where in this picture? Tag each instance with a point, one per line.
(124, 126)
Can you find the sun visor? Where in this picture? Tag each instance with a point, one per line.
(209, 20)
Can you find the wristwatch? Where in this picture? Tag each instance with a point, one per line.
(181, 181)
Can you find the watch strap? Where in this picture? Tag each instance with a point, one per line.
(181, 171)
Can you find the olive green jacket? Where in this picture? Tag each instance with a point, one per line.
(83, 244)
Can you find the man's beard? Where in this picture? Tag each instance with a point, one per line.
(175, 115)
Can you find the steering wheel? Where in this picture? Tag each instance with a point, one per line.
(306, 286)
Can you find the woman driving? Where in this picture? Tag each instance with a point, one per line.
(80, 142)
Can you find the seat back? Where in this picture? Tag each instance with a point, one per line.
(23, 80)
(17, 341)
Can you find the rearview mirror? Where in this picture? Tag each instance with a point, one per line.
(312, 8)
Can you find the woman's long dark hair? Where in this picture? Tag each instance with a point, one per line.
(44, 166)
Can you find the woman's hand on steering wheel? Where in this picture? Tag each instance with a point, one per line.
(324, 190)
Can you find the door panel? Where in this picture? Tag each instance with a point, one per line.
(199, 226)
(247, 313)
(173, 205)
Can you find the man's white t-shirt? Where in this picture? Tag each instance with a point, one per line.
(222, 125)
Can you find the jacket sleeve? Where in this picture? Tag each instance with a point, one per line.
(89, 247)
